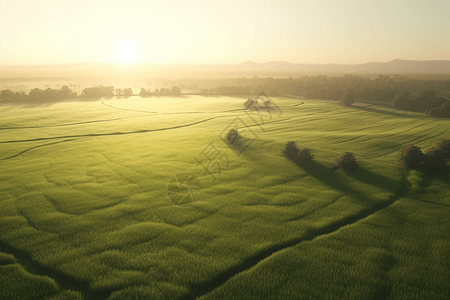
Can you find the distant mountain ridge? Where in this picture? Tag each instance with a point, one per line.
(396, 66)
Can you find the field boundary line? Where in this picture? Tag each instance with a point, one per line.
(203, 289)
(63, 280)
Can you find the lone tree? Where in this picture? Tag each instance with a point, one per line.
(411, 157)
(349, 98)
(250, 103)
(304, 156)
(346, 162)
(291, 150)
(233, 137)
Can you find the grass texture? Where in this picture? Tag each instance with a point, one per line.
(85, 212)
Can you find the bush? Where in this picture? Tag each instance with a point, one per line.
(250, 103)
(233, 137)
(346, 162)
(299, 157)
(411, 157)
(291, 151)
(304, 156)
(434, 160)
(444, 146)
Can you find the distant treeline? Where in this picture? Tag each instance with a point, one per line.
(162, 91)
(65, 93)
(427, 96)
(427, 102)
(38, 95)
(380, 89)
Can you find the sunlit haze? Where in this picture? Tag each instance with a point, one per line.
(223, 32)
(127, 52)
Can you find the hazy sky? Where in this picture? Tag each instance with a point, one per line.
(228, 31)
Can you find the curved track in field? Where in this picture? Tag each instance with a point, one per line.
(111, 133)
(209, 286)
(63, 280)
(172, 113)
(36, 147)
(70, 124)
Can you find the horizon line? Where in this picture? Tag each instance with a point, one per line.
(213, 64)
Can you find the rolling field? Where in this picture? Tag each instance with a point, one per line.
(87, 204)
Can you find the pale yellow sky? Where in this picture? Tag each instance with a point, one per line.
(233, 31)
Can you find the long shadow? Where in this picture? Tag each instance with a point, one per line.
(65, 281)
(385, 112)
(384, 292)
(325, 175)
(428, 177)
(441, 175)
(371, 178)
(202, 289)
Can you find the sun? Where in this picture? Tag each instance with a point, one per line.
(127, 52)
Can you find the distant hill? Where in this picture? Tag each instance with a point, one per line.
(396, 66)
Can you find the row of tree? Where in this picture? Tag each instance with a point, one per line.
(380, 89)
(162, 91)
(38, 95)
(426, 102)
(54, 95)
(426, 96)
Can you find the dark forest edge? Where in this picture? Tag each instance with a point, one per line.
(65, 93)
(401, 92)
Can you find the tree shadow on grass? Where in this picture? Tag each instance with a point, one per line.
(326, 175)
(427, 178)
(384, 112)
(441, 175)
(371, 178)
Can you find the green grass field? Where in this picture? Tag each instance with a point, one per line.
(85, 212)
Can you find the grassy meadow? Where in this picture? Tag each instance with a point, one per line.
(85, 212)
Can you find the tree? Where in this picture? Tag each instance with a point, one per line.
(6, 95)
(233, 137)
(176, 90)
(304, 156)
(444, 146)
(145, 92)
(66, 93)
(127, 92)
(349, 98)
(250, 103)
(434, 160)
(423, 101)
(98, 91)
(346, 162)
(402, 101)
(291, 150)
(411, 157)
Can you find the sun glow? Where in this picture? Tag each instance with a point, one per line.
(127, 52)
